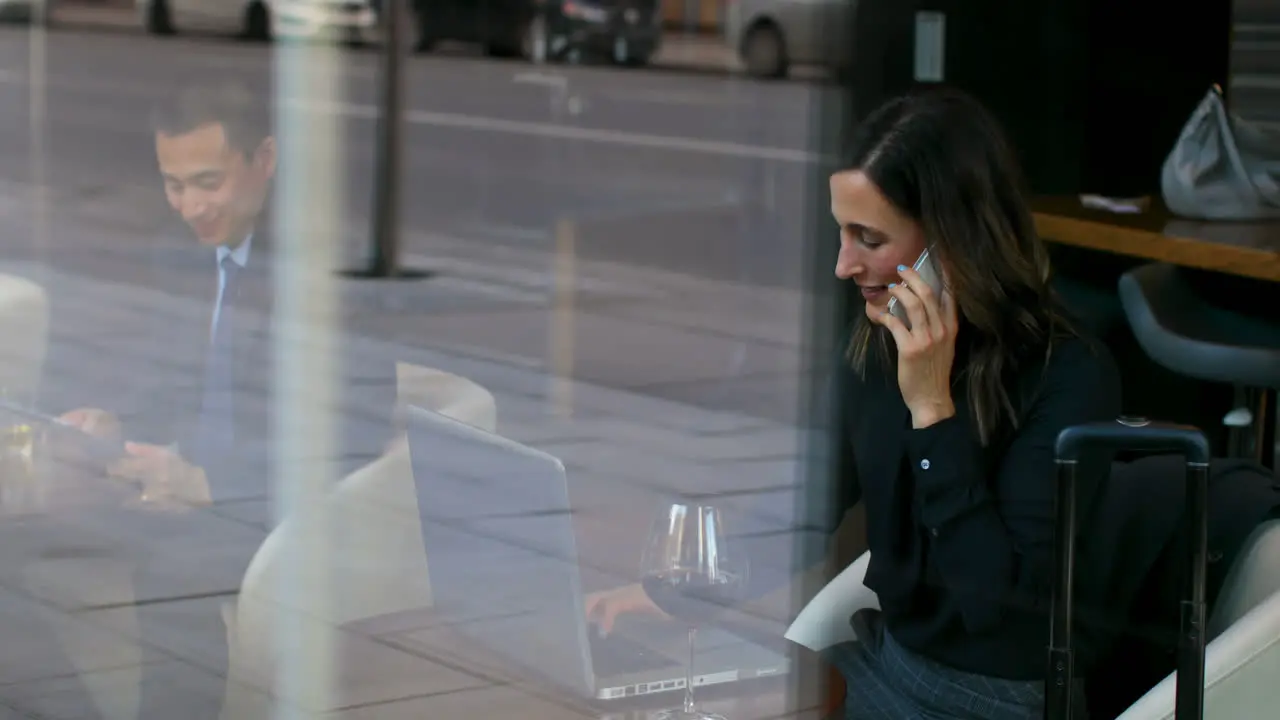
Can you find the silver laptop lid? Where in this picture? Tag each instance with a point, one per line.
(500, 545)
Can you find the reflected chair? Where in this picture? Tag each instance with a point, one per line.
(860, 597)
(378, 564)
(447, 394)
(66, 580)
(1242, 661)
(24, 325)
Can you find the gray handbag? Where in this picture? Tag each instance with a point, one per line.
(1222, 167)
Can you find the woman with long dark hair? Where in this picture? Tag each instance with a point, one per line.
(950, 415)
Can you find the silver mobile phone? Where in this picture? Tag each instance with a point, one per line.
(928, 271)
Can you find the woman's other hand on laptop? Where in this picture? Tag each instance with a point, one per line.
(606, 606)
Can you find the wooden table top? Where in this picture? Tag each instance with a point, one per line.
(1249, 249)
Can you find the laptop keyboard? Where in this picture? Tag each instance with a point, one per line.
(617, 655)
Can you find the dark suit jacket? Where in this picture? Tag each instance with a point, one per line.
(159, 362)
(148, 367)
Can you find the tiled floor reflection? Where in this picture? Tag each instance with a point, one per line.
(79, 578)
(177, 689)
(77, 582)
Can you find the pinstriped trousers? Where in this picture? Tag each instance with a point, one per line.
(885, 681)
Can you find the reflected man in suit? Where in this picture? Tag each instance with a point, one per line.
(194, 444)
(216, 158)
(206, 442)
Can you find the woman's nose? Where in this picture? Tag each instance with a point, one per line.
(847, 264)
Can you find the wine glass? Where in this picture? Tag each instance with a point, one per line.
(689, 573)
(20, 443)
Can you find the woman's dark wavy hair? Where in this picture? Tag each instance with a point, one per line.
(941, 159)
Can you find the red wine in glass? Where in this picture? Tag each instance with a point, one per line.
(691, 596)
(690, 574)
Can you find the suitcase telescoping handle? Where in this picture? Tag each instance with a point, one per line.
(1139, 435)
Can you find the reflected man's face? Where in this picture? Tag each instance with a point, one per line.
(218, 189)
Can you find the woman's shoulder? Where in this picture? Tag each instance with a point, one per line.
(1079, 348)
(1081, 361)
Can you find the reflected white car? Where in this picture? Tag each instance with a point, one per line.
(262, 19)
(773, 35)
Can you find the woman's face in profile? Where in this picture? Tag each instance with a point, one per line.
(875, 238)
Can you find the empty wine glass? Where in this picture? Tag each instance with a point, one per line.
(689, 573)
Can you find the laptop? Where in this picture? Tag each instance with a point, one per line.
(503, 568)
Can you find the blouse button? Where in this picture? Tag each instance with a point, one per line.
(924, 464)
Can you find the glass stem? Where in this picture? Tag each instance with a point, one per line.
(689, 707)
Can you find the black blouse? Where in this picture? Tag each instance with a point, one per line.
(961, 535)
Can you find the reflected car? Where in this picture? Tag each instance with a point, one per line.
(262, 19)
(20, 10)
(628, 32)
(773, 35)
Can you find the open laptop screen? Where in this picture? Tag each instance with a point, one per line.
(500, 546)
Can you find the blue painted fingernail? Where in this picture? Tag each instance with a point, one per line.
(893, 284)
(901, 268)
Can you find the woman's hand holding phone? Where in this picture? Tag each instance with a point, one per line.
(926, 346)
(927, 270)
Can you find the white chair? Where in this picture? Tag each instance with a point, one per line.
(447, 394)
(24, 325)
(824, 620)
(378, 564)
(1242, 661)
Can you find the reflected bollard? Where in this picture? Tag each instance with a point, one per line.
(384, 252)
(386, 201)
(37, 99)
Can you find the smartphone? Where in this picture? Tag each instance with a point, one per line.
(928, 271)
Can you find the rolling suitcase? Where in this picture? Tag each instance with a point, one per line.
(1128, 434)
